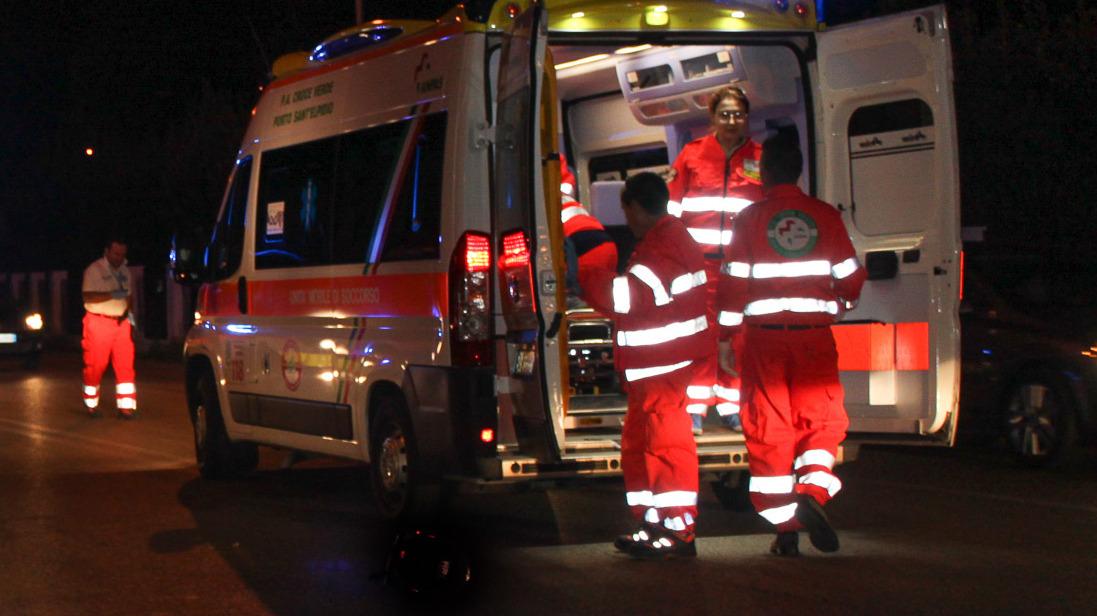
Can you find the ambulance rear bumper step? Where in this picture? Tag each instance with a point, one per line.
(597, 404)
(607, 462)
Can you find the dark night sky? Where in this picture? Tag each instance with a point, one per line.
(160, 89)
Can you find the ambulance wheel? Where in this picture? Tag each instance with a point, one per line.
(217, 456)
(399, 484)
(1040, 422)
(732, 490)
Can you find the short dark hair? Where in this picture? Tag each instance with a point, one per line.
(781, 160)
(728, 92)
(648, 190)
(111, 240)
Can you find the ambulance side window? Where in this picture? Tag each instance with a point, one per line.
(413, 230)
(295, 204)
(892, 166)
(363, 170)
(226, 245)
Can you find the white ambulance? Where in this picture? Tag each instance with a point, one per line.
(385, 280)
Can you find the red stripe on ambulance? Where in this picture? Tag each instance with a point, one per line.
(882, 346)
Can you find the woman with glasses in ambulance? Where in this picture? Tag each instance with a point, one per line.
(711, 181)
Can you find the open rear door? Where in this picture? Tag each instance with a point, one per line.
(889, 162)
(529, 238)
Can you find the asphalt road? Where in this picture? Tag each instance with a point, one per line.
(110, 517)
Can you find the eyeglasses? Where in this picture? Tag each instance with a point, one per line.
(731, 115)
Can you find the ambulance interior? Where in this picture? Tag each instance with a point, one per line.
(624, 110)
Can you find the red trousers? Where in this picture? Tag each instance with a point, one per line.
(658, 453)
(793, 420)
(711, 385)
(108, 340)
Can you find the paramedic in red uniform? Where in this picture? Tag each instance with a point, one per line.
(712, 180)
(792, 272)
(107, 330)
(658, 306)
(592, 246)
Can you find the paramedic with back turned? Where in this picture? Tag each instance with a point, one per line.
(791, 273)
(658, 307)
(108, 335)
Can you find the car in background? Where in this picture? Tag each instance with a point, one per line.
(21, 333)
(1029, 348)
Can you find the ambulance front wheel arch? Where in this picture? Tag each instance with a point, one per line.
(401, 487)
(216, 455)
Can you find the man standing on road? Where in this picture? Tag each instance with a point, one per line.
(792, 271)
(658, 306)
(108, 335)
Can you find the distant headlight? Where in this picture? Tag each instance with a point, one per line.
(34, 321)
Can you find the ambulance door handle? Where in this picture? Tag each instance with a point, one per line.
(554, 327)
(242, 294)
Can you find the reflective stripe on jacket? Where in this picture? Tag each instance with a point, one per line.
(793, 264)
(709, 188)
(658, 304)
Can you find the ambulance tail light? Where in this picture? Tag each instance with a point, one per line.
(516, 273)
(515, 251)
(470, 320)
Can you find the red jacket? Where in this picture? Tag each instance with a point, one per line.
(593, 247)
(658, 304)
(792, 263)
(708, 188)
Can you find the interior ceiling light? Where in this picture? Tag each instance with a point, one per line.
(627, 50)
(581, 61)
(656, 15)
(578, 14)
(738, 14)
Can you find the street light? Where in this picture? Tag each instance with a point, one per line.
(89, 151)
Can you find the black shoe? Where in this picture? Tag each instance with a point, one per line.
(94, 414)
(624, 542)
(646, 532)
(810, 513)
(786, 544)
(127, 415)
(654, 543)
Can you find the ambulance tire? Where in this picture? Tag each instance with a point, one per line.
(1040, 421)
(217, 456)
(400, 487)
(732, 490)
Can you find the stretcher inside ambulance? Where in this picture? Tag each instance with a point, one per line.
(871, 106)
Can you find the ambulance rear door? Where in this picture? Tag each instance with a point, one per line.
(887, 157)
(528, 239)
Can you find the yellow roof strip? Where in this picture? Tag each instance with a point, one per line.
(578, 16)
